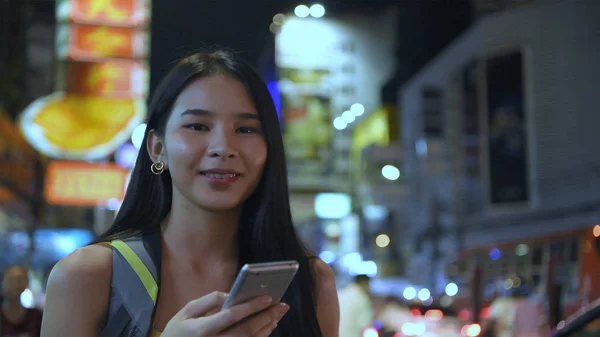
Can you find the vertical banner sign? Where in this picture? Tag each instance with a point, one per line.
(306, 63)
(307, 123)
(102, 49)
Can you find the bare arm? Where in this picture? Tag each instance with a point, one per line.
(78, 293)
(328, 307)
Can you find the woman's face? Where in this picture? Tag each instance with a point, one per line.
(213, 144)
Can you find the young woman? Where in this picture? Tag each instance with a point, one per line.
(211, 189)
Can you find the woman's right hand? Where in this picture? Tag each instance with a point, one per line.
(201, 318)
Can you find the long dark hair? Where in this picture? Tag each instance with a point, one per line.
(266, 231)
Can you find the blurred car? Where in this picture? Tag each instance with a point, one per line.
(399, 318)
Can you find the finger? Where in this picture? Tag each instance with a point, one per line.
(254, 324)
(212, 312)
(251, 325)
(265, 331)
(218, 307)
(199, 307)
(227, 318)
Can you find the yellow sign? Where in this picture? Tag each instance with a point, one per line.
(373, 130)
(80, 127)
(84, 184)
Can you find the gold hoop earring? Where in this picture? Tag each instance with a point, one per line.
(158, 167)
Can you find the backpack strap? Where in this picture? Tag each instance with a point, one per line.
(134, 286)
(138, 260)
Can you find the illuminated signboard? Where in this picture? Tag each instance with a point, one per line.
(102, 49)
(117, 79)
(122, 13)
(89, 41)
(84, 184)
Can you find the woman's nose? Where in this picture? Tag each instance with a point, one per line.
(222, 146)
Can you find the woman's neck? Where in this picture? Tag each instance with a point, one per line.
(195, 235)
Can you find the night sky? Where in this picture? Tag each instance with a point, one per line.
(182, 26)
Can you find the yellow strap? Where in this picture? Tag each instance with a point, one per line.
(139, 267)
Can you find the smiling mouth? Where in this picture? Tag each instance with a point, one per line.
(220, 175)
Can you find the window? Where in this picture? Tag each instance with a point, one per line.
(537, 255)
(574, 251)
(432, 112)
(506, 144)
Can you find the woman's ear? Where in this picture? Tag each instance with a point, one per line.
(155, 147)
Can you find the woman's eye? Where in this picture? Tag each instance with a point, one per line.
(197, 127)
(247, 130)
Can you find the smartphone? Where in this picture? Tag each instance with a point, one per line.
(261, 279)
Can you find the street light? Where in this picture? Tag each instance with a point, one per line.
(339, 123)
(390, 172)
(302, 11)
(317, 11)
(357, 109)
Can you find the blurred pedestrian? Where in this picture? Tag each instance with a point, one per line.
(15, 319)
(356, 307)
(515, 315)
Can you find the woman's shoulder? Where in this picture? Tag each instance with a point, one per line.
(93, 263)
(79, 286)
(86, 269)
(322, 271)
(328, 309)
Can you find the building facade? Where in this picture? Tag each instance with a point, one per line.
(511, 107)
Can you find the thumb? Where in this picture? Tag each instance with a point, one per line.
(202, 306)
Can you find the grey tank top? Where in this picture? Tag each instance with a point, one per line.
(134, 286)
